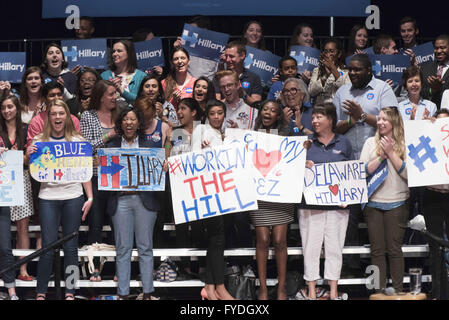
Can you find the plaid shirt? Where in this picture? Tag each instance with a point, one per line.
(91, 130)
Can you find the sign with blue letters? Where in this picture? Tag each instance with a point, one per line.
(389, 66)
(263, 63)
(203, 43)
(149, 54)
(374, 181)
(12, 66)
(11, 179)
(308, 58)
(423, 53)
(90, 53)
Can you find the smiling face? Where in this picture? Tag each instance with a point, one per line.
(216, 117)
(253, 34)
(305, 38)
(119, 54)
(331, 51)
(269, 113)
(229, 88)
(53, 94)
(321, 124)
(361, 38)
(180, 61)
(200, 91)
(130, 124)
(87, 82)
(54, 59)
(358, 74)
(414, 85)
(9, 110)
(408, 33)
(57, 118)
(441, 51)
(33, 83)
(185, 115)
(292, 95)
(151, 89)
(108, 99)
(233, 59)
(383, 125)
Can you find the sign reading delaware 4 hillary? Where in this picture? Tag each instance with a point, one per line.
(203, 43)
(423, 53)
(263, 63)
(336, 183)
(62, 162)
(90, 53)
(149, 54)
(389, 66)
(277, 164)
(211, 182)
(11, 179)
(137, 169)
(12, 66)
(427, 149)
(308, 58)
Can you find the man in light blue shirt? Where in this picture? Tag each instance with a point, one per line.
(359, 103)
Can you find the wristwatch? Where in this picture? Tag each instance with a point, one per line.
(363, 117)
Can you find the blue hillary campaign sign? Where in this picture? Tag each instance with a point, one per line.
(374, 181)
(423, 53)
(263, 63)
(89, 53)
(389, 66)
(203, 43)
(308, 58)
(12, 66)
(368, 51)
(149, 54)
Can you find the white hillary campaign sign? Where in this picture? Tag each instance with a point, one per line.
(308, 58)
(90, 53)
(203, 43)
(427, 150)
(12, 66)
(263, 63)
(149, 54)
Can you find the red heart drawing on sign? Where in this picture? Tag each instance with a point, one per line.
(334, 189)
(264, 162)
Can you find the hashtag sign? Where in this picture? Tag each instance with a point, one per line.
(428, 154)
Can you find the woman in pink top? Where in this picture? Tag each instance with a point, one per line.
(178, 84)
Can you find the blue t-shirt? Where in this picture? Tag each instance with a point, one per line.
(155, 138)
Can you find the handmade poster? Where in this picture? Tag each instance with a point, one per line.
(211, 182)
(89, 52)
(12, 66)
(277, 164)
(427, 150)
(336, 183)
(203, 43)
(11, 178)
(308, 58)
(149, 54)
(423, 53)
(62, 162)
(137, 169)
(263, 63)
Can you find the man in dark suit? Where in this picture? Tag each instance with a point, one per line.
(436, 73)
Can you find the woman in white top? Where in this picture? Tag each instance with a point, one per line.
(59, 203)
(31, 96)
(445, 100)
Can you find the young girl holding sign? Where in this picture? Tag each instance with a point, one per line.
(205, 136)
(386, 212)
(275, 216)
(59, 203)
(327, 224)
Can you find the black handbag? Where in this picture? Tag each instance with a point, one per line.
(240, 286)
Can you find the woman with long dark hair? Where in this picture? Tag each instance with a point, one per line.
(203, 92)
(86, 82)
(358, 40)
(253, 35)
(31, 96)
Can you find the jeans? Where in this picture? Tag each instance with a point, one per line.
(132, 219)
(6, 257)
(52, 214)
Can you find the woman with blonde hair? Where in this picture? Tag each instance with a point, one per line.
(386, 212)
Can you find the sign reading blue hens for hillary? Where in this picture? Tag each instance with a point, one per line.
(62, 162)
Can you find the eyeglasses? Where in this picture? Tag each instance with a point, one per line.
(292, 91)
(227, 86)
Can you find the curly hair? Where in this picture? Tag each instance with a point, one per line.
(123, 114)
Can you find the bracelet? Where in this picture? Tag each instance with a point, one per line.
(167, 146)
(90, 199)
(106, 138)
(379, 159)
(430, 91)
(349, 121)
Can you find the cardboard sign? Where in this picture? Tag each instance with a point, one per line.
(263, 63)
(211, 182)
(12, 66)
(336, 183)
(62, 162)
(423, 53)
(89, 52)
(308, 58)
(149, 54)
(389, 66)
(131, 169)
(277, 164)
(427, 149)
(203, 43)
(11, 179)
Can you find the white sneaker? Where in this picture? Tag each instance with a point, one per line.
(14, 297)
